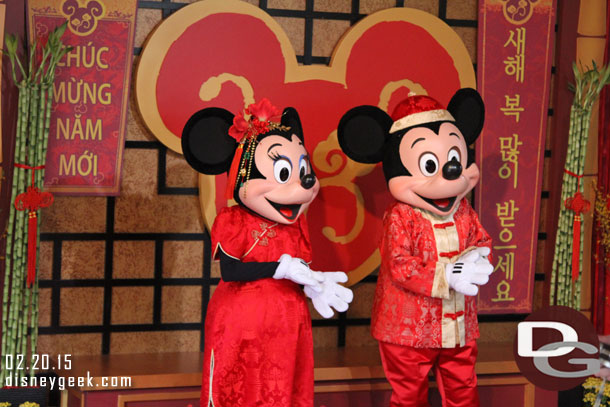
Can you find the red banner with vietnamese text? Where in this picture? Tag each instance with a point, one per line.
(90, 93)
(516, 39)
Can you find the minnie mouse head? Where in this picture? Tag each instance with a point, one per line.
(269, 169)
(423, 147)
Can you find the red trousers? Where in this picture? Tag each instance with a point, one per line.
(407, 369)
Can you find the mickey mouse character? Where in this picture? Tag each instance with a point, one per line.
(434, 251)
(258, 342)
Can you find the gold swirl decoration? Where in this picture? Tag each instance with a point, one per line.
(327, 156)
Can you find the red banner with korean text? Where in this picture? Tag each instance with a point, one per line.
(90, 93)
(516, 39)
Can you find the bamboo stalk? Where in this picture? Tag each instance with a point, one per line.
(8, 272)
(34, 323)
(562, 241)
(20, 303)
(588, 84)
(581, 169)
(17, 288)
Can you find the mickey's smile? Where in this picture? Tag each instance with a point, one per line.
(442, 204)
(289, 212)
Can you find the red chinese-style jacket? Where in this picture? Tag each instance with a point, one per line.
(414, 305)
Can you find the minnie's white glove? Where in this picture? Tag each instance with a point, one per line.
(333, 294)
(471, 270)
(296, 270)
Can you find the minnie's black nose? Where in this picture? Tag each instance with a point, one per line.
(308, 181)
(452, 170)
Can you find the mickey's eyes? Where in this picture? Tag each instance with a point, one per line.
(303, 166)
(454, 154)
(282, 169)
(428, 164)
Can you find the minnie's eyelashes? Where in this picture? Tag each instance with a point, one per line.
(277, 157)
(274, 156)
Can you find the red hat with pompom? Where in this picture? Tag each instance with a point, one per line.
(416, 110)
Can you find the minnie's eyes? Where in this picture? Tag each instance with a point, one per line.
(428, 164)
(303, 167)
(282, 169)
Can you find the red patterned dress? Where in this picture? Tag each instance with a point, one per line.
(258, 342)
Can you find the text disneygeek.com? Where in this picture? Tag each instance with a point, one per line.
(61, 382)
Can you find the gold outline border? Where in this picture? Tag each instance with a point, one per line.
(162, 38)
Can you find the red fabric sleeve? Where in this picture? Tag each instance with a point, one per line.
(477, 236)
(304, 242)
(406, 270)
(228, 233)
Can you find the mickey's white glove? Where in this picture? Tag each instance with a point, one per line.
(296, 270)
(471, 270)
(482, 252)
(333, 294)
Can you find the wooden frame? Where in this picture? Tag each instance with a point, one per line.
(183, 395)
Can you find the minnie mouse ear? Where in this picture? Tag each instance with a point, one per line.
(468, 110)
(206, 143)
(290, 118)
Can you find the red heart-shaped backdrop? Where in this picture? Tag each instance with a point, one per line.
(228, 53)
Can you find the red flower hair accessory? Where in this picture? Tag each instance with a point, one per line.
(245, 130)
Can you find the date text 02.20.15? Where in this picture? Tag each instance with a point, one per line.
(40, 362)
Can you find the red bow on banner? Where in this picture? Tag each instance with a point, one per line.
(32, 200)
(579, 205)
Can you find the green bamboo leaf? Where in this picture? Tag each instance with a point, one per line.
(575, 70)
(11, 44)
(61, 29)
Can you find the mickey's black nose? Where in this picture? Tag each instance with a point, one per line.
(308, 181)
(452, 170)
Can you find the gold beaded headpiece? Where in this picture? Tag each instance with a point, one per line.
(245, 131)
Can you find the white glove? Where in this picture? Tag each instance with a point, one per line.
(333, 294)
(296, 270)
(471, 270)
(482, 252)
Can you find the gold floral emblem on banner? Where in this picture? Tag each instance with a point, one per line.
(82, 15)
(518, 11)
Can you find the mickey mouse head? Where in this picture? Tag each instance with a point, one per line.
(423, 147)
(274, 175)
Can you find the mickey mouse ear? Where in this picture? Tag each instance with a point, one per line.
(362, 133)
(206, 143)
(468, 109)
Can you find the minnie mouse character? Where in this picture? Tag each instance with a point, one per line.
(258, 346)
(434, 251)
